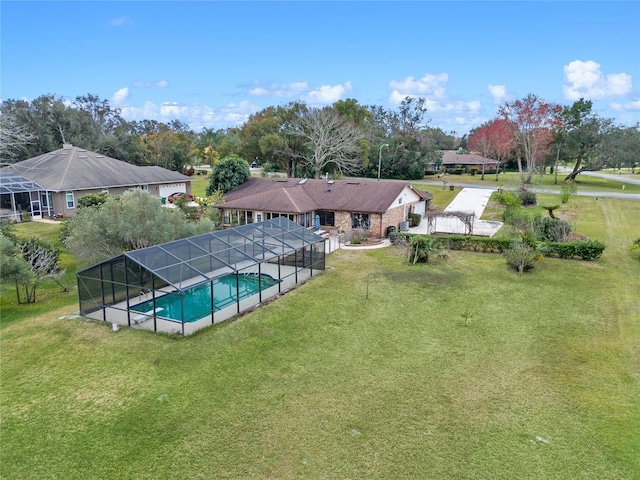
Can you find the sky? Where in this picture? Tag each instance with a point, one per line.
(211, 64)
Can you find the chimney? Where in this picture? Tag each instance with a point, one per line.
(67, 146)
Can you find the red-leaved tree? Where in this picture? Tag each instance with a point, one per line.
(534, 121)
(493, 139)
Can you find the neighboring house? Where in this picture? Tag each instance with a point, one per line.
(61, 177)
(452, 159)
(339, 204)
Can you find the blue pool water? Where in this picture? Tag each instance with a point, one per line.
(197, 301)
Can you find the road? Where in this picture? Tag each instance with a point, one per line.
(618, 178)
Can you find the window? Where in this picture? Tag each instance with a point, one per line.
(361, 220)
(71, 201)
(258, 217)
(47, 200)
(145, 187)
(327, 218)
(105, 190)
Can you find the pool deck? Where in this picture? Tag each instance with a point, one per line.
(147, 321)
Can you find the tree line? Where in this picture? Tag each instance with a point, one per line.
(344, 138)
(536, 134)
(295, 138)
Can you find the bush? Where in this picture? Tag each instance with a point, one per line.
(415, 219)
(520, 218)
(589, 250)
(527, 197)
(420, 248)
(508, 199)
(548, 229)
(520, 256)
(566, 190)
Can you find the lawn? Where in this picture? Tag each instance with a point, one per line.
(584, 183)
(383, 380)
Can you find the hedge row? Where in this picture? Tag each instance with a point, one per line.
(588, 250)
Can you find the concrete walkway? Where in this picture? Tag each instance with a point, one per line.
(469, 200)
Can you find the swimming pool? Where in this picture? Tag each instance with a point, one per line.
(197, 301)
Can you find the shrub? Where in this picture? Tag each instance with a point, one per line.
(508, 199)
(420, 248)
(520, 218)
(589, 250)
(566, 190)
(548, 229)
(527, 197)
(520, 256)
(415, 219)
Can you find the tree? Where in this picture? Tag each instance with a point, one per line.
(276, 140)
(331, 140)
(618, 147)
(578, 137)
(493, 139)
(14, 139)
(28, 263)
(534, 122)
(227, 174)
(133, 220)
(105, 119)
(12, 266)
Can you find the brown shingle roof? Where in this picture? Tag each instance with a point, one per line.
(293, 195)
(452, 157)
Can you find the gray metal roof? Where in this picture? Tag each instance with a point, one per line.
(10, 183)
(73, 168)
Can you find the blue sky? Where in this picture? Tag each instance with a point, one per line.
(211, 64)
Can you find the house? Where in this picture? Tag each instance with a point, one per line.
(343, 205)
(451, 160)
(51, 184)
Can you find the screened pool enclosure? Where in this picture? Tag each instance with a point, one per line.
(185, 285)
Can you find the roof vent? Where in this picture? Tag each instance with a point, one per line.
(330, 182)
(282, 180)
(302, 182)
(353, 183)
(83, 156)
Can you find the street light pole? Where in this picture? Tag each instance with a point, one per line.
(380, 158)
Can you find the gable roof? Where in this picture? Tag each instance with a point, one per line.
(452, 157)
(294, 195)
(73, 168)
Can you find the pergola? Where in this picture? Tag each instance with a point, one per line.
(19, 195)
(184, 285)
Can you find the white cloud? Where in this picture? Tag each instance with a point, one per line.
(586, 80)
(289, 90)
(120, 21)
(197, 116)
(432, 85)
(626, 107)
(498, 92)
(327, 94)
(145, 84)
(120, 97)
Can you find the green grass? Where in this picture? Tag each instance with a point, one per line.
(199, 184)
(512, 180)
(382, 380)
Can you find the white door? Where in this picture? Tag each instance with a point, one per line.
(36, 210)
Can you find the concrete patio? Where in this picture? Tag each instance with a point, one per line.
(469, 200)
